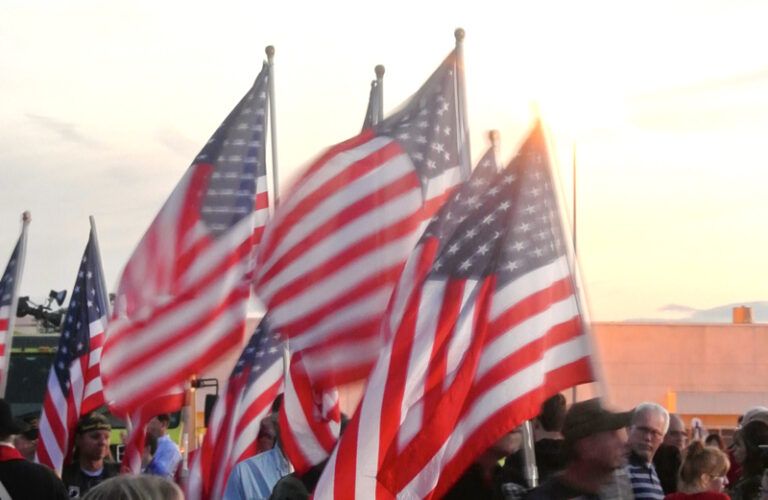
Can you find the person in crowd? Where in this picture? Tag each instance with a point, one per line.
(90, 466)
(676, 435)
(667, 461)
(20, 478)
(267, 435)
(167, 457)
(747, 451)
(703, 474)
(715, 441)
(650, 422)
(141, 487)
(150, 448)
(755, 413)
(548, 446)
(255, 477)
(594, 449)
(484, 478)
(26, 441)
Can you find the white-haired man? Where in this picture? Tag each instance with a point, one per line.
(650, 422)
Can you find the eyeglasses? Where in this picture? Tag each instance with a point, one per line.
(656, 435)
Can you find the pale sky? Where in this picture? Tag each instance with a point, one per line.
(104, 105)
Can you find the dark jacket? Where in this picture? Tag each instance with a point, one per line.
(24, 479)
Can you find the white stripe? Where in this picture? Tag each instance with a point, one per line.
(76, 384)
(489, 403)
(530, 330)
(430, 305)
(219, 251)
(354, 313)
(526, 285)
(333, 167)
(462, 335)
(261, 185)
(343, 355)
(146, 374)
(59, 401)
(405, 286)
(330, 207)
(436, 186)
(299, 426)
(325, 485)
(144, 341)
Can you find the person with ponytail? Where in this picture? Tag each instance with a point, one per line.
(702, 474)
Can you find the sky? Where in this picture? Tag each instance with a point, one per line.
(105, 104)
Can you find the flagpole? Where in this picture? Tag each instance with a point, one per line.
(380, 91)
(26, 218)
(574, 395)
(461, 108)
(495, 139)
(270, 50)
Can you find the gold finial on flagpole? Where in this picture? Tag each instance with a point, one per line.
(26, 216)
(270, 50)
(459, 35)
(379, 69)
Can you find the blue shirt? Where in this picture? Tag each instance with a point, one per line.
(255, 477)
(166, 459)
(645, 482)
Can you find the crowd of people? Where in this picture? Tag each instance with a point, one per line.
(583, 452)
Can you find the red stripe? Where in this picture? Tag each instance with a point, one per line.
(169, 340)
(384, 278)
(351, 212)
(530, 306)
(510, 416)
(345, 466)
(262, 201)
(190, 214)
(127, 332)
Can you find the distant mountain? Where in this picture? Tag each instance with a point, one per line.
(675, 313)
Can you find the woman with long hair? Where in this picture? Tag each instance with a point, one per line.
(747, 442)
(702, 474)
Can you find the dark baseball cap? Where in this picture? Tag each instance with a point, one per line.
(93, 422)
(587, 418)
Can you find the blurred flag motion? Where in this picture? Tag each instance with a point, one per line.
(181, 301)
(484, 325)
(234, 426)
(337, 243)
(74, 385)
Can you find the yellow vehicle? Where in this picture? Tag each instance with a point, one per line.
(32, 355)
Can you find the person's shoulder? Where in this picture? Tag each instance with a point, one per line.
(111, 469)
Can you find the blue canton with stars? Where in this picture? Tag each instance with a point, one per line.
(88, 304)
(427, 126)
(263, 349)
(237, 152)
(7, 281)
(506, 223)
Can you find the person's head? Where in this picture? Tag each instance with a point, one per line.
(650, 422)
(267, 434)
(704, 469)
(158, 426)
(92, 437)
(752, 436)
(26, 441)
(552, 413)
(9, 426)
(754, 413)
(715, 441)
(141, 487)
(595, 437)
(676, 434)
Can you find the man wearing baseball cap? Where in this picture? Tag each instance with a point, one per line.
(594, 448)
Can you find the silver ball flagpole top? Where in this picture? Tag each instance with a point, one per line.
(26, 216)
(379, 69)
(459, 35)
(270, 50)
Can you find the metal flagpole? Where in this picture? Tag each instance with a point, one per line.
(461, 109)
(380, 91)
(495, 137)
(574, 395)
(531, 472)
(270, 50)
(26, 218)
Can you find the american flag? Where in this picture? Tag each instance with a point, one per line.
(489, 328)
(74, 384)
(182, 297)
(8, 286)
(233, 430)
(310, 419)
(337, 243)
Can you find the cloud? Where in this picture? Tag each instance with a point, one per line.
(677, 308)
(66, 131)
(176, 142)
